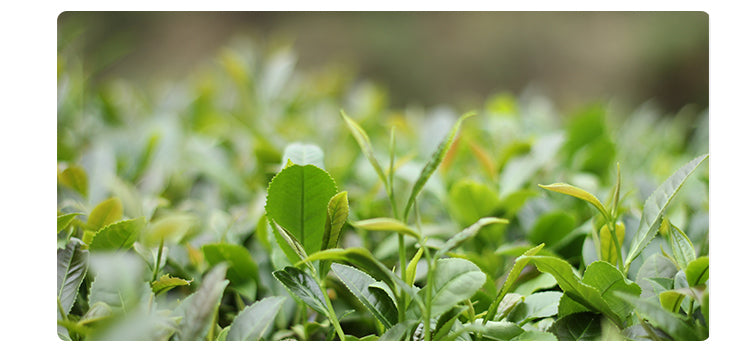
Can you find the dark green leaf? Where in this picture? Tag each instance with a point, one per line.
(552, 227)
(672, 324)
(608, 280)
(72, 265)
(376, 301)
(578, 327)
(301, 285)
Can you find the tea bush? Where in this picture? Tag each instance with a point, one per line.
(250, 201)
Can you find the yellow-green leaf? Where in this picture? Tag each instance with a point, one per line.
(166, 282)
(608, 247)
(386, 224)
(579, 193)
(105, 213)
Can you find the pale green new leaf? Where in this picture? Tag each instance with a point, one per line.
(64, 220)
(386, 224)
(682, 247)
(338, 212)
(364, 144)
(697, 271)
(579, 193)
(241, 266)
(303, 154)
(434, 162)
(656, 204)
(671, 300)
(253, 321)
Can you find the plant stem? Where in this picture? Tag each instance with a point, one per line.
(428, 293)
(158, 260)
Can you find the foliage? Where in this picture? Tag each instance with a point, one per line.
(260, 203)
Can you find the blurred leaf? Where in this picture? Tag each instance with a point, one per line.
(118, 280)
(105, 213)
(552, 227)
(298, 199)
(467, 233)
(198, 309)
(171, 228)
(303, 154)
(655, 206)
(364, 144)
(470, 200)
(433, 163)
(241, 267)
(64, 220)
(674, 325)
(117, 236)
(253, 321)
(74, 177)
(533, 335)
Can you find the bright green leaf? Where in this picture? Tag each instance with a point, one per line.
(170, 228)
(454, 280)
(608, 280)
(386, 224)
(671, 300)
(470, 200)
(338, 212)
(166, 282)
(118, 235)
(298, 199)
(64, 220)
(655, 206)
(609, 248)
(574, 191)
(515, 271)
(75, 178)
(697, 271)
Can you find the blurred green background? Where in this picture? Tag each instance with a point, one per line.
(424, 58)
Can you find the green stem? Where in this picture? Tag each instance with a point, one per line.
(332, 314)
(158, 260)
(428, 293)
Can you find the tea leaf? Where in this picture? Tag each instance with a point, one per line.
(682, 247)
(241, 268)
(467, 233)
(608, 247)
(170, 228)
(607, 280)
(301, 285)
(455, 280)
(377, 302)
(72, 265)
(655, 206)
(515, 271)
(105, 213)
(364, 144)
(433, 163)
(298, 200)
(583, 326)
(672, 324)
(166, 282)
(574, 191)
(671, 300)
(411, 269)
(386, 224)
(338, 212)
(697, 271)
(253, 321)
(537, 305)
(118, 235)
(198, 309)
(75, 178)
(303, 154)
(470, 200)
(64, 220)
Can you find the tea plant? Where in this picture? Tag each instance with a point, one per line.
(259, 203)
